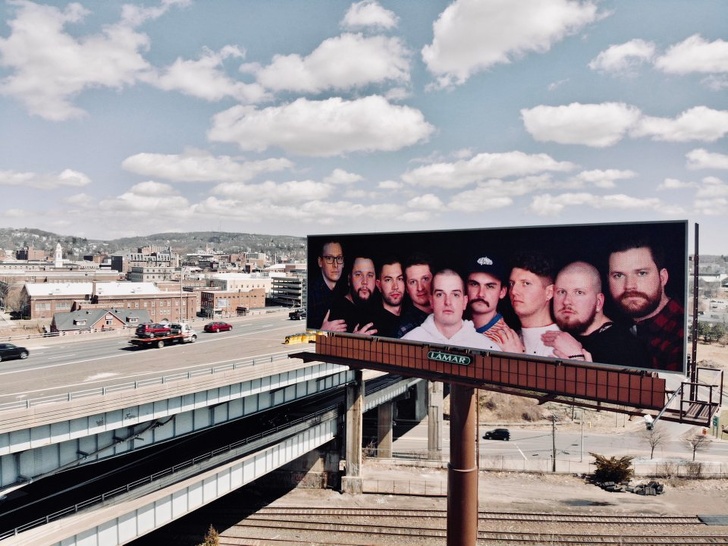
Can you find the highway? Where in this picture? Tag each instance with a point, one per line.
(76, 363)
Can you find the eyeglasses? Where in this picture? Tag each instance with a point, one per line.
(330, 259)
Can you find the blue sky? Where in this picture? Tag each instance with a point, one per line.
(297, 118)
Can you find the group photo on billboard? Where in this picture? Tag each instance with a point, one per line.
(604, 293)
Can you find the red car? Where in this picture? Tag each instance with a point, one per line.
(153, 330)
(215, 327)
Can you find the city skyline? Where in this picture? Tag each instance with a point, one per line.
(129, 119)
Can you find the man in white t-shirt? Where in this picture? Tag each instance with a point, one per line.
(531, 289)
(446, 324)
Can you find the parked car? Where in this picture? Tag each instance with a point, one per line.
(215, 327)
(153, 330)
(498, 434)
(297, 314)
(9, 351)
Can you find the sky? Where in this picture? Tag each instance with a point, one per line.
(295, 118)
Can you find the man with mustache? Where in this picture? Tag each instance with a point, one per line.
(356, 308)
(485, 289)
(446, 325)
(637, 279)
(587, 333)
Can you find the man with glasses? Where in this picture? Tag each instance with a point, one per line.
(322, 288)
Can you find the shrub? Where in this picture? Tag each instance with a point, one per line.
(612, 469)
(693, 469)
(212, 538)
(667, 469)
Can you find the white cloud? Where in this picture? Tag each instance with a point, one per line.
(483, 167)
(136, 15)
(49, 67)
(345, 62)
(148, 197)
(553, 205)
(711, 199)
(595, 125)
(703, 159)
(44, 181)
(497, 194)
(290, 192)
(695, 55)
(603, 178)
(716, 82)
(390, 185)
(428, 201)
(712, 187)
(471, 35)
(698, 123)
(201, 167)
(205, 78)
(82, 200)
(323, 128)
(478, 200)
(340, 176)
(675, 184)
(623, 58)
(369, 13)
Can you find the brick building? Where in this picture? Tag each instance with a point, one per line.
(43, 301)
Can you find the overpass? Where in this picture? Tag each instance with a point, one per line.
(42, 437)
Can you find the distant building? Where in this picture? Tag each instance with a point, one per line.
(232, 282)
(58, 257)
(222, 304)
(43, 301)
(31, 254)
(90, 320)
(287, 290)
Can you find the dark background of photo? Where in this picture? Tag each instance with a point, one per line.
(563, 244)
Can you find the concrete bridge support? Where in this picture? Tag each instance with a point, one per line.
(351, 482)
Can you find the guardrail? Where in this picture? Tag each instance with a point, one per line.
(132, 385)
(157, 476)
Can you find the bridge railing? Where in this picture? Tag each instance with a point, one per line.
(132, 385)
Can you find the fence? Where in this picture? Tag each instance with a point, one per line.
(133, 385)
(661, 468)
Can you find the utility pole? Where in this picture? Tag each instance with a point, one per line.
(553, 443)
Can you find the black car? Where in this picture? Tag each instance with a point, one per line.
(298, 314)
(9, 351)
(498, 434)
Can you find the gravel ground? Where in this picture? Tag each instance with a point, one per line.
(511, 492)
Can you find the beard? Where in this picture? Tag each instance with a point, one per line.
(639, 304)
(361, 296)
(574, 325)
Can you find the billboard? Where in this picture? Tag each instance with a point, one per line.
(606, 293)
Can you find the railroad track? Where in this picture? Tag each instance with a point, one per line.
(366, 527)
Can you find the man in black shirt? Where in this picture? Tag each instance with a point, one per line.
(390, 283)
(324, 285)
(587, 333)
(357, 308)
(417, 305)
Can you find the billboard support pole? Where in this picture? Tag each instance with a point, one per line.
(462, 472)
(693, 371)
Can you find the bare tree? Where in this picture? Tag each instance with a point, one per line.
(655, 437)
(697, 442)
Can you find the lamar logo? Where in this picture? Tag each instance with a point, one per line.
(449, 358)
